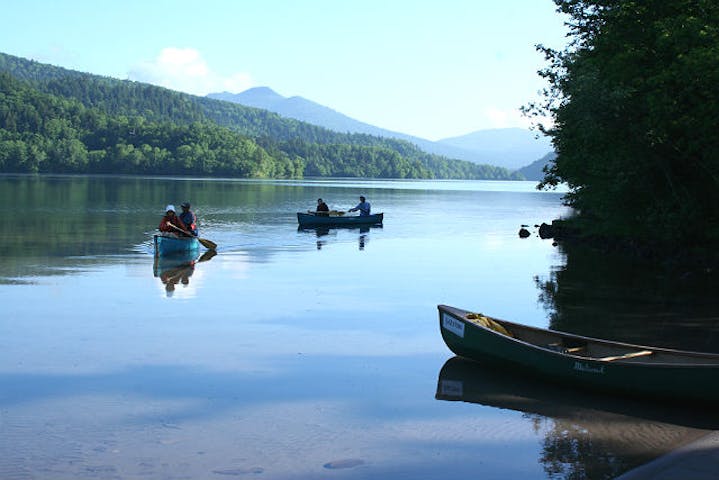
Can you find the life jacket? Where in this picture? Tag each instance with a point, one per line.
(192, 225)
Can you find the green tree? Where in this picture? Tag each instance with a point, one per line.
(635, 106)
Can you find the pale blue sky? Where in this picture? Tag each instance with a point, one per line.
(433, 69)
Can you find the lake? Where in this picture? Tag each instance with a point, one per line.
(308, 354)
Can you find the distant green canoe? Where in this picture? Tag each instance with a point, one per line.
(581, 361)
(321, 219)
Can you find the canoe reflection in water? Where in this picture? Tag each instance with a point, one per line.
(586, 435)
(324, 231)
(178, 268)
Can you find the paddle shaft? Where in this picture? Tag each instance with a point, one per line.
(205, 243)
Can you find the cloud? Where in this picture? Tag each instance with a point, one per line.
(511, 118)
(506, 118)
(185, 70)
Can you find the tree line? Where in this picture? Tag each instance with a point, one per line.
(54, 120)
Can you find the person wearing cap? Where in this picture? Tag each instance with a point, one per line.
(363, 207)
(172, 223)
(189, 218)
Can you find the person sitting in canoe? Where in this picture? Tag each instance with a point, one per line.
(189, 219)
(322, 208)
(172, 223)
(363, 207)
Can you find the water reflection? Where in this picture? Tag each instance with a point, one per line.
(325, 233)
(178, 268)
(586, 435)
(609, 296)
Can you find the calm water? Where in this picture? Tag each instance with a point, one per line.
(304, 354)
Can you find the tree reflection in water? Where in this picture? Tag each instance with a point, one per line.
(610, 296)
(585, 435)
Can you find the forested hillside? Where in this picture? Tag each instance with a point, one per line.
(54, 120)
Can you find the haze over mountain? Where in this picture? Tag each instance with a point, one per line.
(510, 148)
(534, 171)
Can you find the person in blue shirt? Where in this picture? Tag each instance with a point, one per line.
(363, 207)
(189, 218)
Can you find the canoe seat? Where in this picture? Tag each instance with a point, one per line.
(559, 347)
(640, 353)
(487, 322)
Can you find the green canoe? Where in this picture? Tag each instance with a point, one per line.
(337, 219)
(581, 361)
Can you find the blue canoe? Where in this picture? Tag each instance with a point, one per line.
(170, 244)
(327, 220)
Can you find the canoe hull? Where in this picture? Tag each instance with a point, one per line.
(689, 374)
(464, 380)
(312, 220)
(168, 244)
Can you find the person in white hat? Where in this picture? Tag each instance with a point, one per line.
(172, 223)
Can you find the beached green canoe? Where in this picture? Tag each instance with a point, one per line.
(581, 361)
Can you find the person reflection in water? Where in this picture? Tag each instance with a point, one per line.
(362, 240)
(321, 232)
(173, 276)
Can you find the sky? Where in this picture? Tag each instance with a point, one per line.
(432, 69)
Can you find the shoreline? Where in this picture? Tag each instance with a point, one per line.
(698, 459)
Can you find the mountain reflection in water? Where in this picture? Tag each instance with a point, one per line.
(586, 435)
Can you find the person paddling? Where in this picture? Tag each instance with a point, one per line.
(189, 219)
(363, 207)
(172, 223)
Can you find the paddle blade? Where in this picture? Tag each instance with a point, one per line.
(209, 244)
(207, 256)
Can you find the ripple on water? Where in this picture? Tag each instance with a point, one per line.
(344, 463)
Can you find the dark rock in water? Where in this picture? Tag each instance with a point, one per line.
(546, 231)
(523, 233)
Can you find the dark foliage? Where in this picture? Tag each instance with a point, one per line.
(635, 105)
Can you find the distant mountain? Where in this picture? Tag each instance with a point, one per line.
(260, 97)
(302, 109)
(510, 148)
(534, 171)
